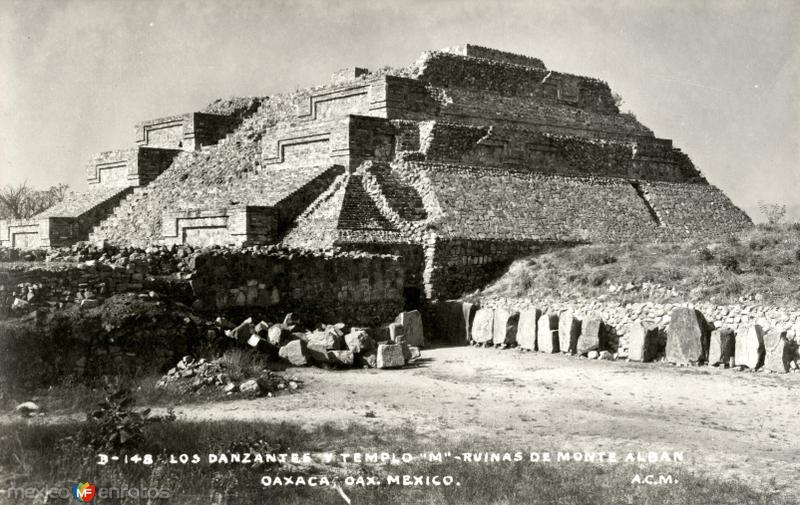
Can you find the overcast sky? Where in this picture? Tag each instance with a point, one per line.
(720, 78)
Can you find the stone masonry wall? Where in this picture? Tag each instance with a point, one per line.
(355, 287)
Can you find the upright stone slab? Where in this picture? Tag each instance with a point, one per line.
(547, 333)
(482, 326)
(591, 338)
(642, 342)
(721, 347)
(453, 321)
(750, 347)
(687, 337)
(778, 351)
(412, 327)
(569, 329)
(526, 330)
(505, 327)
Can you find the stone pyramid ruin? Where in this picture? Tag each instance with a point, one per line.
(460, 162)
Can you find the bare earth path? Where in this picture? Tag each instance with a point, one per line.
(733, 424)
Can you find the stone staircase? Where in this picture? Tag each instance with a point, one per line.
(109, 228)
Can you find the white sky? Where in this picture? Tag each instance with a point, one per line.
(720, 78)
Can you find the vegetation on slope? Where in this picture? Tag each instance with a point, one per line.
(758, 265)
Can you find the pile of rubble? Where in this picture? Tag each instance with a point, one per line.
(334, 345)
(190, 376)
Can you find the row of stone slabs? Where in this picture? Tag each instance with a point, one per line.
(689, 338)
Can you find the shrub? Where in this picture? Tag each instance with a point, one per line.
(704, 254)
(599, 258)
(729, 262)
(115, 425)
(242, 363)
(773, 212)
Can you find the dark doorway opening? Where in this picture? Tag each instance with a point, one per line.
(412, 297)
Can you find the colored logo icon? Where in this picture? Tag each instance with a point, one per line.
(83, 491)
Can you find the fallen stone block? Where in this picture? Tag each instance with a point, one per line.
(325, 338)
(341, 358)
(278, 335)
(721, 347)
(412, 327)
(261, 329)
(504, 327)
(592, 336)
(390, 356)
(369, 359)
(294, 352)
(642, 342)
(547, 333)
(687, 337)
(569, 330)
(243, 331)
(779, 351)
(414, 352)
(254, 341)
(358, 341)
(396, 332)
(526, 330)
(249, 386)
(86, 304)
(750, 347)
(317, 353)
(482, 326)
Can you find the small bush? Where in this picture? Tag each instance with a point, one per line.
(242, 363)
(762, 242)
(704, 254)
(729, 262)
(596, 259)
(115, 424)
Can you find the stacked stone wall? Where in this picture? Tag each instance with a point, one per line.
(356, 287)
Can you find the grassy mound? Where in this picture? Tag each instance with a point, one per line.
(759, 265)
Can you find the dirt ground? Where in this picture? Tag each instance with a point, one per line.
(733, 424)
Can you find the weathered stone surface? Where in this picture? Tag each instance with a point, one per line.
(547, 333)
(504, 330)
(396, 331)
(414, 352)
(779, 351)
(317, 353)
(412, 327)
(358, 341)
(278, 334)
(687, 337)
(483, 326)
(526, 331)
(453, 321)
(249, 386)
(243, 331)
(569, 330)
(721, 347)
(294, 352)
(642, 342)
(342, 358)
(254, 341)
(592, 337)
(325, 338)
(390, 356)
(369, 359)
(750, 347)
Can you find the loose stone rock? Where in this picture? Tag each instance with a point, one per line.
(390, 356)
(412, 327)
(750, 347)
(294, 352)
